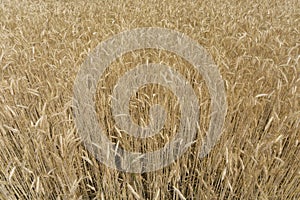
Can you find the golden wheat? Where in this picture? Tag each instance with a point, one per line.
(255, 44)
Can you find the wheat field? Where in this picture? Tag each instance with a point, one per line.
(256, 46)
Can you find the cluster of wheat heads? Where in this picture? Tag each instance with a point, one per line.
(255, 44)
